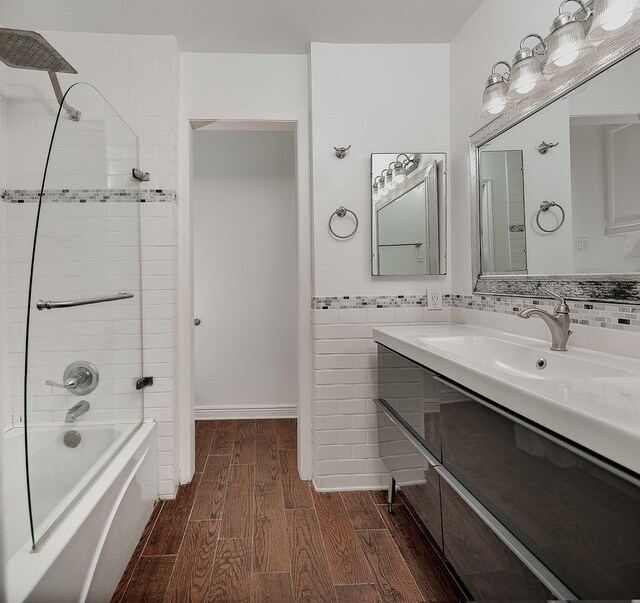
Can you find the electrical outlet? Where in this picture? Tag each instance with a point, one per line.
(434, 298)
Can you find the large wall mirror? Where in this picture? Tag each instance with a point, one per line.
(557, 186)
(408, 226)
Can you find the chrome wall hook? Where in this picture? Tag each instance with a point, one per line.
(140, 175)
(341, 152)
(545, 147)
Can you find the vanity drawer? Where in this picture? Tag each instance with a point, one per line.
(579, 518)
(489, 570)
(411, 470)
(415, 396)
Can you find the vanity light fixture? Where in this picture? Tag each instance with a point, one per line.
(494, 99)
(394, 175)
(389, 183)
(526, 73)
(377, 185)
(398, 171)
(568, 42)
(611, 15)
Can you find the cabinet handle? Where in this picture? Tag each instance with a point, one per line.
(541, 571)
(383, 405)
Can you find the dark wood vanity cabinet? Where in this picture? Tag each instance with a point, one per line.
(493, 478)
(411, 470)
(579, 518)
(490, 571)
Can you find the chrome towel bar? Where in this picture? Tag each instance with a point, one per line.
(51, 305)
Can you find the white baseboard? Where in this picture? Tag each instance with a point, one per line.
(339, 488)
(264, 411)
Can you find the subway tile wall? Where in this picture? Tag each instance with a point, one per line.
(346, 446)
(139, 76)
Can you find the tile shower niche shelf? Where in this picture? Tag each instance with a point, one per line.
(526, 478)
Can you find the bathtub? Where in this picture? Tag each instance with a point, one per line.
(105, 499)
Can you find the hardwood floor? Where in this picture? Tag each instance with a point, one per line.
(247, 529)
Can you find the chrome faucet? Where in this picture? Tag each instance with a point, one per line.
(76, 410)
(558, 322)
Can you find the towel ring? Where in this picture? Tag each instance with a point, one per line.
(341, 212)
(546, 206)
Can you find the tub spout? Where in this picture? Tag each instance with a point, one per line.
(76, 410)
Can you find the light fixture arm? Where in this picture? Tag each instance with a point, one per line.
(538, 49)
(583, 9)
(504, 76)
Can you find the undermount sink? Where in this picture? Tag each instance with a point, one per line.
(522, 360)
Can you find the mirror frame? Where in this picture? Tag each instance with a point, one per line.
(442, 189)
(620, 288)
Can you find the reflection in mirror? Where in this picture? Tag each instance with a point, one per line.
(559, 193)
(408, 216)
(502, 211)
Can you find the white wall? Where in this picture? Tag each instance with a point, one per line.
(245, 273)
(219, 84)
(379, 99)
(410, 113)
(492, 33)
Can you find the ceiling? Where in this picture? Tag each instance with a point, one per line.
(250, 26)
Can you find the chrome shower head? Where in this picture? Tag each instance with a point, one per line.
(25, 49)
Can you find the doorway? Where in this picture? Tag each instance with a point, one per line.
(245, 266)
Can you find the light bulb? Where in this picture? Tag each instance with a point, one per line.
(611, 15)
(494, 98)
(398, 173)
(567, 42)
(526, 73)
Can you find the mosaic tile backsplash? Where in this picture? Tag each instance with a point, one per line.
(603, 315)
(593, 314)
(90, 196)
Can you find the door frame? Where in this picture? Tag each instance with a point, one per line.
(186, 413)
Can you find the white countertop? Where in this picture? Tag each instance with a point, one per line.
(601, 414)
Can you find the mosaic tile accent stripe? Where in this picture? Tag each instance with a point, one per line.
(349, 302)
(618, 316)
(622, 317)
(615, 288)
(90, 196)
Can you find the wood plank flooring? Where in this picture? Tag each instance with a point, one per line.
(247, 529)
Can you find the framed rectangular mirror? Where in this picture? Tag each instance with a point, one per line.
(556, 184)
(408, 215)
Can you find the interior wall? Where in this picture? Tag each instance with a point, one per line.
(245, 274)
(379, 99)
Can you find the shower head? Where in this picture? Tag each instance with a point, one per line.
(25, 49)
(29, 50)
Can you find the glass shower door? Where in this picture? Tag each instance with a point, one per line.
(84, 353)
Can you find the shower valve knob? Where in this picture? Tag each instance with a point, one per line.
(80, 378)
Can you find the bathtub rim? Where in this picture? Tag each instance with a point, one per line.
(28, 566)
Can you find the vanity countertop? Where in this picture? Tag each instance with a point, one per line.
(590, 398)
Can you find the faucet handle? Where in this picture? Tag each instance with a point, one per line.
(562, 307)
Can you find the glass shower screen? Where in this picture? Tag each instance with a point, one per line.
(82, 359)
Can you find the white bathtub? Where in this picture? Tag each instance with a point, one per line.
(85, 552)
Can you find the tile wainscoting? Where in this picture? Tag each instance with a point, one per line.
(345, 436)
(159, 253)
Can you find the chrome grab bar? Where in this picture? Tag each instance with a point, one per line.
(51, 305)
